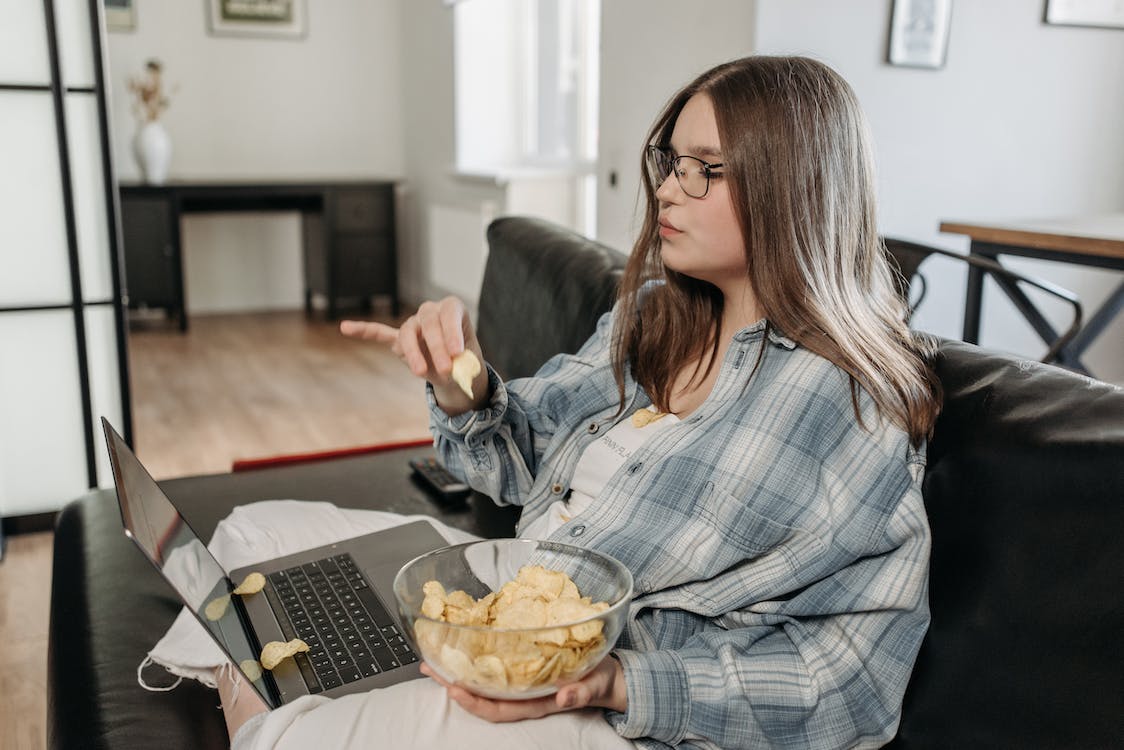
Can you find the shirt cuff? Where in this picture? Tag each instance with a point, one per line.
(659, 700)
(467, 426)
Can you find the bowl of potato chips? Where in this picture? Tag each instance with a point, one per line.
(513, 618)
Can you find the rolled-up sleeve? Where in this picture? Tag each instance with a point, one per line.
(499, 448)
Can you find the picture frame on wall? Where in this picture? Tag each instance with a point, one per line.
(285, 19)
(919, 33)
(120, 15)
(1105, 14)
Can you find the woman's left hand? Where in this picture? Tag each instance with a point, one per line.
(604, 687)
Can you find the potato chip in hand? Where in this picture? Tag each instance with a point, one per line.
(465, 368)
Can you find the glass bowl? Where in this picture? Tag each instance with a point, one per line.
(505, 660)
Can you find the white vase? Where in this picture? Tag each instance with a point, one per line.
(153, 149)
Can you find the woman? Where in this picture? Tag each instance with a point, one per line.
(745, 431)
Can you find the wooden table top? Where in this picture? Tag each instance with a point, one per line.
(1101, 235)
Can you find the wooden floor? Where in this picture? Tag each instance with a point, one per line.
(235, 386)
(248, 386)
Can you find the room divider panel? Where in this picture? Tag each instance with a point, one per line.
(63, 359)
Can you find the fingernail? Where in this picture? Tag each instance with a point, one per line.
(568, 700)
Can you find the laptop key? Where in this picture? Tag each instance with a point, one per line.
(368, 668)
(331, 681)
(385, 657)
(378, 612)
(350, 674)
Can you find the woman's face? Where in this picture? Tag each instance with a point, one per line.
(700, 237)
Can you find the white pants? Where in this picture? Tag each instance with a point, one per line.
(416, 714)
(413, 714)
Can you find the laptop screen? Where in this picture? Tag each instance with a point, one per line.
(172, 546)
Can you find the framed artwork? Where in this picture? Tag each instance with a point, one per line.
(120, 15)
(919, 32)
(1108, 14)
(265, 18)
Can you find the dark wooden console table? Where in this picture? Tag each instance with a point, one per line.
(347, 227)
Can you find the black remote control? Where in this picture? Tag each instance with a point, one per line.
(438, 479)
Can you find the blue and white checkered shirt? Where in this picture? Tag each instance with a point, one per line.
(779, 550)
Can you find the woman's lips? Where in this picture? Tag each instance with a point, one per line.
(668, 230)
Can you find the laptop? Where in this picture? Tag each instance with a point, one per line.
(338, 598)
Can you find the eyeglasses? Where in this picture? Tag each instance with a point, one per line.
(692, 174)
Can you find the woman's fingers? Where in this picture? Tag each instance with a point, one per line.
(411, 349)
(514, 710)
(427, 341)
(361, 329)
(430, 324)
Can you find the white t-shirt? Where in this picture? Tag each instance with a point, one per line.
(600, 460)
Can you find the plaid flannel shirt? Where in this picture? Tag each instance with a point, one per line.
(779, 549)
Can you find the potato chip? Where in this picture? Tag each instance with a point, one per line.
(216, 608)
(641, 418)
(275, 652)
(433, 606)
(456, 662)
(465, 368)
(490, 670)
(251, 584)
(251, 668)
(522, 614)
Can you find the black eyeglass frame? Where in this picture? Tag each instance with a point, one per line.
(657, 153)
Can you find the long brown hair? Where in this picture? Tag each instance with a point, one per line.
(797, 158)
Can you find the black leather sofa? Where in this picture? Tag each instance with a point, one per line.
(1023, 490)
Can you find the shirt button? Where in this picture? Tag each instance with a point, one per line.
(557, 489)
(593, 428)
(577, 531)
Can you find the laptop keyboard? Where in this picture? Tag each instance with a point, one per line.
(331, 607)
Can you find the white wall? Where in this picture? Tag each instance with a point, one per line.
(325, 106)
(649, 49)
(442, 218)
(1025, 120)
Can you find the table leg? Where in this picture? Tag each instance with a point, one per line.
(973, 298)
(1096, 324)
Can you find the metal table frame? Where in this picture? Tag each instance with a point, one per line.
(992, 241)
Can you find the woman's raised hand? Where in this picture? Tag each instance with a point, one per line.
(427, 342)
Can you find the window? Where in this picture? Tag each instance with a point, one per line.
(526, 85)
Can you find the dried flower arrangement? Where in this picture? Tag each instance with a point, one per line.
(149, 92)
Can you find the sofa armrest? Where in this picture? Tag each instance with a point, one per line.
(109, 606)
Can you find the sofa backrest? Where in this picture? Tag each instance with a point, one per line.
(544, 289)
(1023, 490)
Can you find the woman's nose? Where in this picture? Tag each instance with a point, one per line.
(669, 190)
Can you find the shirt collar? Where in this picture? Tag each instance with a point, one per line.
(775, 336)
